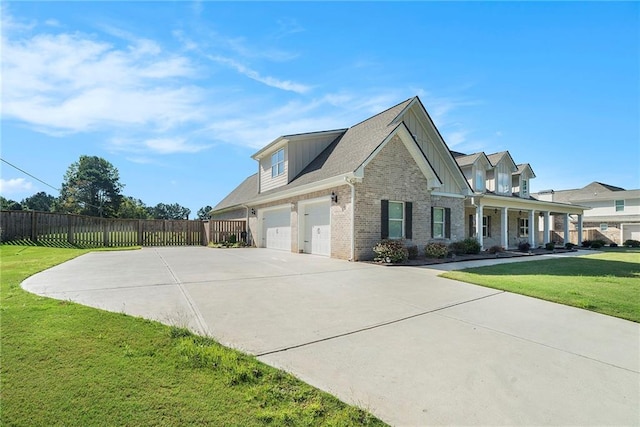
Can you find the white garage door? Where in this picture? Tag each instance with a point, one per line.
(630, 231)
(317, 229)
(276, 229)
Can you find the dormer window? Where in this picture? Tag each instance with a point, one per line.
(524, 189)
(504, 184)
(479, 184)
(277, 163)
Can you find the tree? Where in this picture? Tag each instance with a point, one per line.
(91, 187)
(173, 211)
(133, 208)
(40, 201)
(9, 205)
(205, 212)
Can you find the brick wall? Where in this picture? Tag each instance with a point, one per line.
(393, 175)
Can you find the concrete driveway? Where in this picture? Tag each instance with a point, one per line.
(412, 348)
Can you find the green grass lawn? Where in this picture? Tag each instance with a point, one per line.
(607, 282)
(66, 364)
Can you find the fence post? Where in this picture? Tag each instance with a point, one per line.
(139, 232)
(70, 235)
(34, 227)
(105, 232)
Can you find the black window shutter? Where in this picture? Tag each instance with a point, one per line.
(432, 222)
(447, 223)
(384, 219)
(488, 226)
(408, 221)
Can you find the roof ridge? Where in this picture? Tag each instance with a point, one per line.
(382, 112)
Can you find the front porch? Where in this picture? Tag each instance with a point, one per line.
(508, 221)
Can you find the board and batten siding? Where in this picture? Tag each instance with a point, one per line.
(425, 135)
(302, 152)
(266, 181)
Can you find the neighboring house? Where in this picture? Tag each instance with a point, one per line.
(339, 192)
(614, 215)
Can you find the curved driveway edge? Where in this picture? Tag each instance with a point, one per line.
(411, 347)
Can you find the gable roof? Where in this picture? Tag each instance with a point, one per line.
(522, 167)
(469, 159)
(348, 153)
(495, 158)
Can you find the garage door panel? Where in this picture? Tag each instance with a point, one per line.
(630, 231)
(317, 229)
(276, 229)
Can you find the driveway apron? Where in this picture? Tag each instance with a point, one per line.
(409, 346)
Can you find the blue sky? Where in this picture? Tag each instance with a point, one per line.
(178, 95)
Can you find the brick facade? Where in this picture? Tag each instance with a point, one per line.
(394, 175)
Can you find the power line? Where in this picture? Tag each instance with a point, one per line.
(45, 183)
(27, 173)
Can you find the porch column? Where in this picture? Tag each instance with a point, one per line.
(479, 209)
(566, 228)
(545, 237)
(505, 228)
(579, 230)
(532, 229)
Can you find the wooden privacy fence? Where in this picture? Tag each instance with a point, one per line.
(222, 230)
(57, 228)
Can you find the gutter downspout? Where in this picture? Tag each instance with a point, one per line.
(353, 217)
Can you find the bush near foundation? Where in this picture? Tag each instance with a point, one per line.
(632, 243)
(467, 246)
(436, 250)
(392, 251)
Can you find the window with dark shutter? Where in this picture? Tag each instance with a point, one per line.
(408, 220)
(384, 219)
(447, 223)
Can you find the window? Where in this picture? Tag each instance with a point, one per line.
(438, 223)
(504, 186)
(524, 190)
(277, 163)
(479, 184)
(604, 226)
(396, 220)
(619, 205)
(523, 227)
(486, 226)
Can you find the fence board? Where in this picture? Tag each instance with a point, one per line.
(96, 232)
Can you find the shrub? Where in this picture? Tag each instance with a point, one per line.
(496, 249)
(632, 243)
(390, 251)
(596, 245)
(599, 241)
(586, 243)
(569, 245)
(550, 246)
(466, 246)
(524, 246)
(232, 239)
(613, 245)
(412, 251)
(436, 250)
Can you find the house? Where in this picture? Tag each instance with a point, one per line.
(339, 192)
(614, 215)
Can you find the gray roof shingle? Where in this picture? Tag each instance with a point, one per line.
(344, 155)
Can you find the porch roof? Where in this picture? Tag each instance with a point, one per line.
(518, 203)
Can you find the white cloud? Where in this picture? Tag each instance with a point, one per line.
(69, 83)
(456, 138)
(254, 75)
(161, 146)
(15, 186)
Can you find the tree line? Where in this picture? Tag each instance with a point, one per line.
(91, 186)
